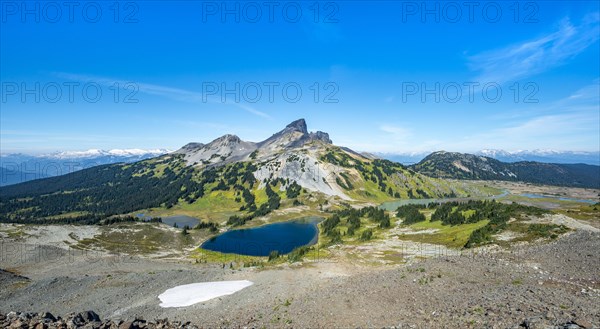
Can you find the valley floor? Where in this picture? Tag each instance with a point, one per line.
(395, 280)
(548, 283)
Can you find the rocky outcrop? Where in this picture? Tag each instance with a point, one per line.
(88, 319)
(298, 125)
(189, 147)
(91, 320)
(230, 148)
(321, 136)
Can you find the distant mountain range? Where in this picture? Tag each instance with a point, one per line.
(235, 180)
(468, 166)
(17, 168)
(227, 179)
(547, 156)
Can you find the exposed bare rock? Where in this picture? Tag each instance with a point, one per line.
(88, 319)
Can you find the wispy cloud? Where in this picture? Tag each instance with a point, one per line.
(538, 55)
(177, 94)
(396, 133)
(588, 95)
(389, 138)
(568, 124)
(584, 99)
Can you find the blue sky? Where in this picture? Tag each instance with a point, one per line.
(170, 72)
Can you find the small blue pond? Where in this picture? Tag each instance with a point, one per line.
(540, 196)
(181, 221)
(260, 241)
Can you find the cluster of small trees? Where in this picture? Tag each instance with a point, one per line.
(353, 222)
(293, 190)
(249, 199)
(457, 213)
(236, 220)
(418, 194)
(498, 214)
(381, 169)
(366, 235)
(330, 224)
(376, 215)
(127, 219)
(274, 199)
(410, 213)
(297, 254)
(451, 213)
(273, 203)
(213, 227)
(185, 230)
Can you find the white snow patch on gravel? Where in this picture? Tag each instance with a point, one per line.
(190, 294)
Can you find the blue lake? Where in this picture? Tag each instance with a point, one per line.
(181, 221)
(540, 196)
(260, 241)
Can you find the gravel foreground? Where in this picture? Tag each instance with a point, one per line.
(544, 285)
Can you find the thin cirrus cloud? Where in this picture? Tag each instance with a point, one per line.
(177, 94)
(584, 100)
(570, 123)
(538, 55)
(396, 132)
(573, 127)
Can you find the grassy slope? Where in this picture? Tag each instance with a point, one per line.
(139, 238)
(401, 181)
(583, 212)
(451, 236)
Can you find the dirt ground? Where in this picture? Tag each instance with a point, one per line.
(551, 282)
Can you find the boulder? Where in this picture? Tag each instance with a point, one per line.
(47, 316)
(82, 318)
(536, 323)
(583, 323)
(126, 325)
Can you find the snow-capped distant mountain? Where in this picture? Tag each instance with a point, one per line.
(548, 156)
(408, 158)
(18, 168)
(94, 153)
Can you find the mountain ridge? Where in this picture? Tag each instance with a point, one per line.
(230, 148)
(18, 168)
(233, 181)
(545, 156)
(457, 165)
(228, 178)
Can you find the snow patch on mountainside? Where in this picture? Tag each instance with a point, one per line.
(190, 294)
